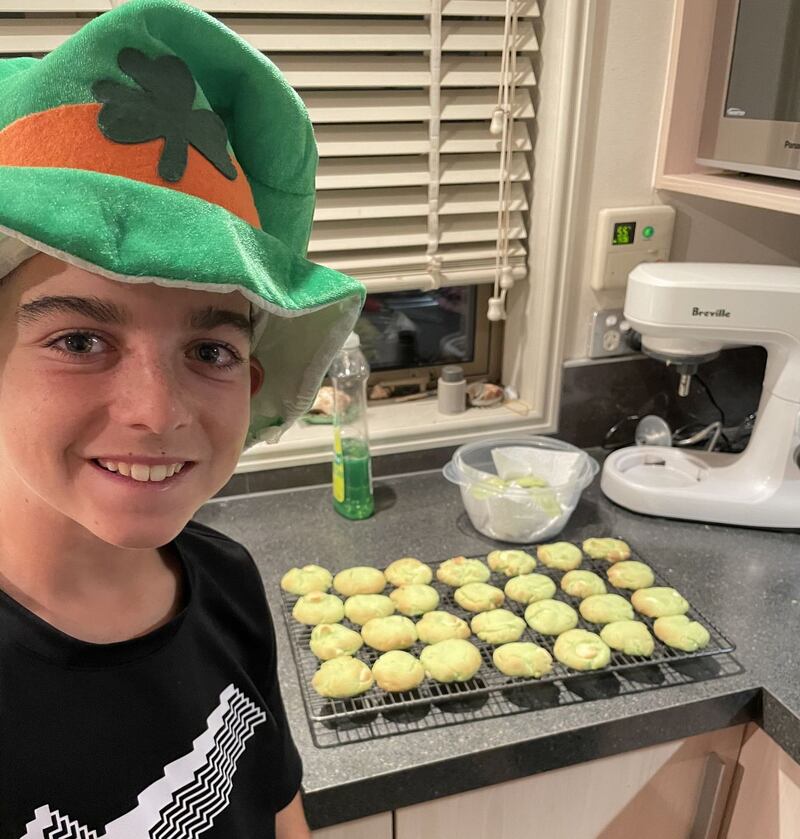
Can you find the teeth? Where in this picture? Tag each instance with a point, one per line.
(148, 473)
(142, 472)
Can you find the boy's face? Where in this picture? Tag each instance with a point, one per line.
(155, 385)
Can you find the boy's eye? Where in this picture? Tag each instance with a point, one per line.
(74, 344)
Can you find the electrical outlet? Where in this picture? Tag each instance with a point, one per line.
(609, 335)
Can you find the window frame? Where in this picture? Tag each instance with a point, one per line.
(534, 330)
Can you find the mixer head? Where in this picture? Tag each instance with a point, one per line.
(684, 354)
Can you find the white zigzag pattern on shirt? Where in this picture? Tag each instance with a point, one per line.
(193, 790)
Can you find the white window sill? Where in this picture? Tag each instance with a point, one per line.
(392, 428)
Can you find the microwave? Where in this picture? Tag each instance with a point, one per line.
(751, 120)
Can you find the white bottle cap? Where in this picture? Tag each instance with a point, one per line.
(352, 342)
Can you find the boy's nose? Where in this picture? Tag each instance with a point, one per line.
(151, 394)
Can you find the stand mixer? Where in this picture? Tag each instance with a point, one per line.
(686, 313)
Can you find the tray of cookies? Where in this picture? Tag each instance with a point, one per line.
(412, 636)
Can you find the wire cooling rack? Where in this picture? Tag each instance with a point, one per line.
(378, 713)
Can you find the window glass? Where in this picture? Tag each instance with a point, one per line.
(408, 329)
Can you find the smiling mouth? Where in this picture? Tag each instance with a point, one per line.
(144, 476)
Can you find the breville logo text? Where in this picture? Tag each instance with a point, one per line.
(705, 313)
(788, 144)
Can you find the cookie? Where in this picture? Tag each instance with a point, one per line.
(342, 677)
(561, 555)
(415, 599)
(582, 584)
(361, 608)
(361, 579)
(478, 597)
(528, 588)
(681, 633)
(459, 571)
(304, 580)
(392, 633)
(408, 571)
(318, 607)
(629, 637)
(612, 550)
(606, 608)
(454, 660)
(630, 574)
(582, 650)
(439, 626)
(512, 563)
(397, 671)
(659, 602)
(331, 640)
(522, 658)
(551, 617)
(498, 626)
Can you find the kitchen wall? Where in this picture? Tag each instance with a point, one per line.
(629, 61)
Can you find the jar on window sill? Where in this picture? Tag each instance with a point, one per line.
(451, 391)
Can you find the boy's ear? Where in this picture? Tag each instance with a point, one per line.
(256, 376)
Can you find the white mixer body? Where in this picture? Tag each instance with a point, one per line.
(685, 311)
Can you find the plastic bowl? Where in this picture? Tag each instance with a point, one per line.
(514, 513)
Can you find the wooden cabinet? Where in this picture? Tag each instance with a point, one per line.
(677, 790)
(736, 783)
(765, 795)
(682, 112)
(372, 827)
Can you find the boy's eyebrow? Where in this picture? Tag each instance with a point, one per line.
(106, 311)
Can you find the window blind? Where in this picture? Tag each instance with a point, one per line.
(401, 94)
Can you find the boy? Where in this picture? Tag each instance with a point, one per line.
(150, 159)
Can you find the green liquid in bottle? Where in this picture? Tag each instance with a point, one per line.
(352, 480)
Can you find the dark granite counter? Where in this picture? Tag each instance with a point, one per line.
(747, 582)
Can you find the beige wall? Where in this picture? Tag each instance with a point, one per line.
(629, 58)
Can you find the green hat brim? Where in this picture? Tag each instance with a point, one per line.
(137, 232)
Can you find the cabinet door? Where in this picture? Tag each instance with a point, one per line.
(673, 791)
(765, 795)
(372, 827)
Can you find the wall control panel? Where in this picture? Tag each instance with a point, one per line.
(627, 236)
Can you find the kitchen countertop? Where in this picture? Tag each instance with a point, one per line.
(747, 582)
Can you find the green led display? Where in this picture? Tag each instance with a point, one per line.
(623, 233)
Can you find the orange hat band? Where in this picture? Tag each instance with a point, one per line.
(69, 137)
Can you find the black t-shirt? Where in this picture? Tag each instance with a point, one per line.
(179, 733)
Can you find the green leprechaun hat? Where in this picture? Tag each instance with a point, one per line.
(156, 145)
